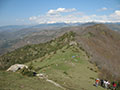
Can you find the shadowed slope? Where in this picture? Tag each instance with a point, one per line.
(103, 45)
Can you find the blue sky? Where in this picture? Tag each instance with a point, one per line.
(19, 12)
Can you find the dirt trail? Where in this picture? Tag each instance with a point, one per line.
(56, 84)
(53, 82)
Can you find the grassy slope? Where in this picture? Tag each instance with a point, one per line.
(31, 52)
(73, 73)
(16, 81)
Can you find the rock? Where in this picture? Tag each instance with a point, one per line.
(16, 67)
(40, 75)
(72, 43)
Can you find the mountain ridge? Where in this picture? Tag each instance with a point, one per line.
(13, 37)
(82, 54)
(99, 42)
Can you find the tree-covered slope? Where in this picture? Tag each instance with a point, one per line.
(30, 52)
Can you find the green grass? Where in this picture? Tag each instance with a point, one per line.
(67, 65)
(73, 73)
(16, 81)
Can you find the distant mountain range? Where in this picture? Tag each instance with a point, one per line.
(15, 36)
(11, 28)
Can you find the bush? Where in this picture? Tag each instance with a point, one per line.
(31, 66)
(65, 73)
(27, 72)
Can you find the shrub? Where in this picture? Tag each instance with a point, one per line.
(31, 66)
(65, 73)
(27, 72)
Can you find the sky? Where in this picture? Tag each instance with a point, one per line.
(25, 12)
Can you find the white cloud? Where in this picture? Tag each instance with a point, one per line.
(33, 18)
(59, 10)
(115, 17)
(103, 9)
(55, 16)
(117, 12)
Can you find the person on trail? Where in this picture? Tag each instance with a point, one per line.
(102, 83)
(106, 83)
(97, 82)
(118, 86)
(114, 85)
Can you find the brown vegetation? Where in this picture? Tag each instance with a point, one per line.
(103, 45)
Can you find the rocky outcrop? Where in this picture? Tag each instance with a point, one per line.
(73, 43)
(16, 67)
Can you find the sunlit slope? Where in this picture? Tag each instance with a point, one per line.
(61, 60)
(31, 52)
(70, 67)
(16, 81)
